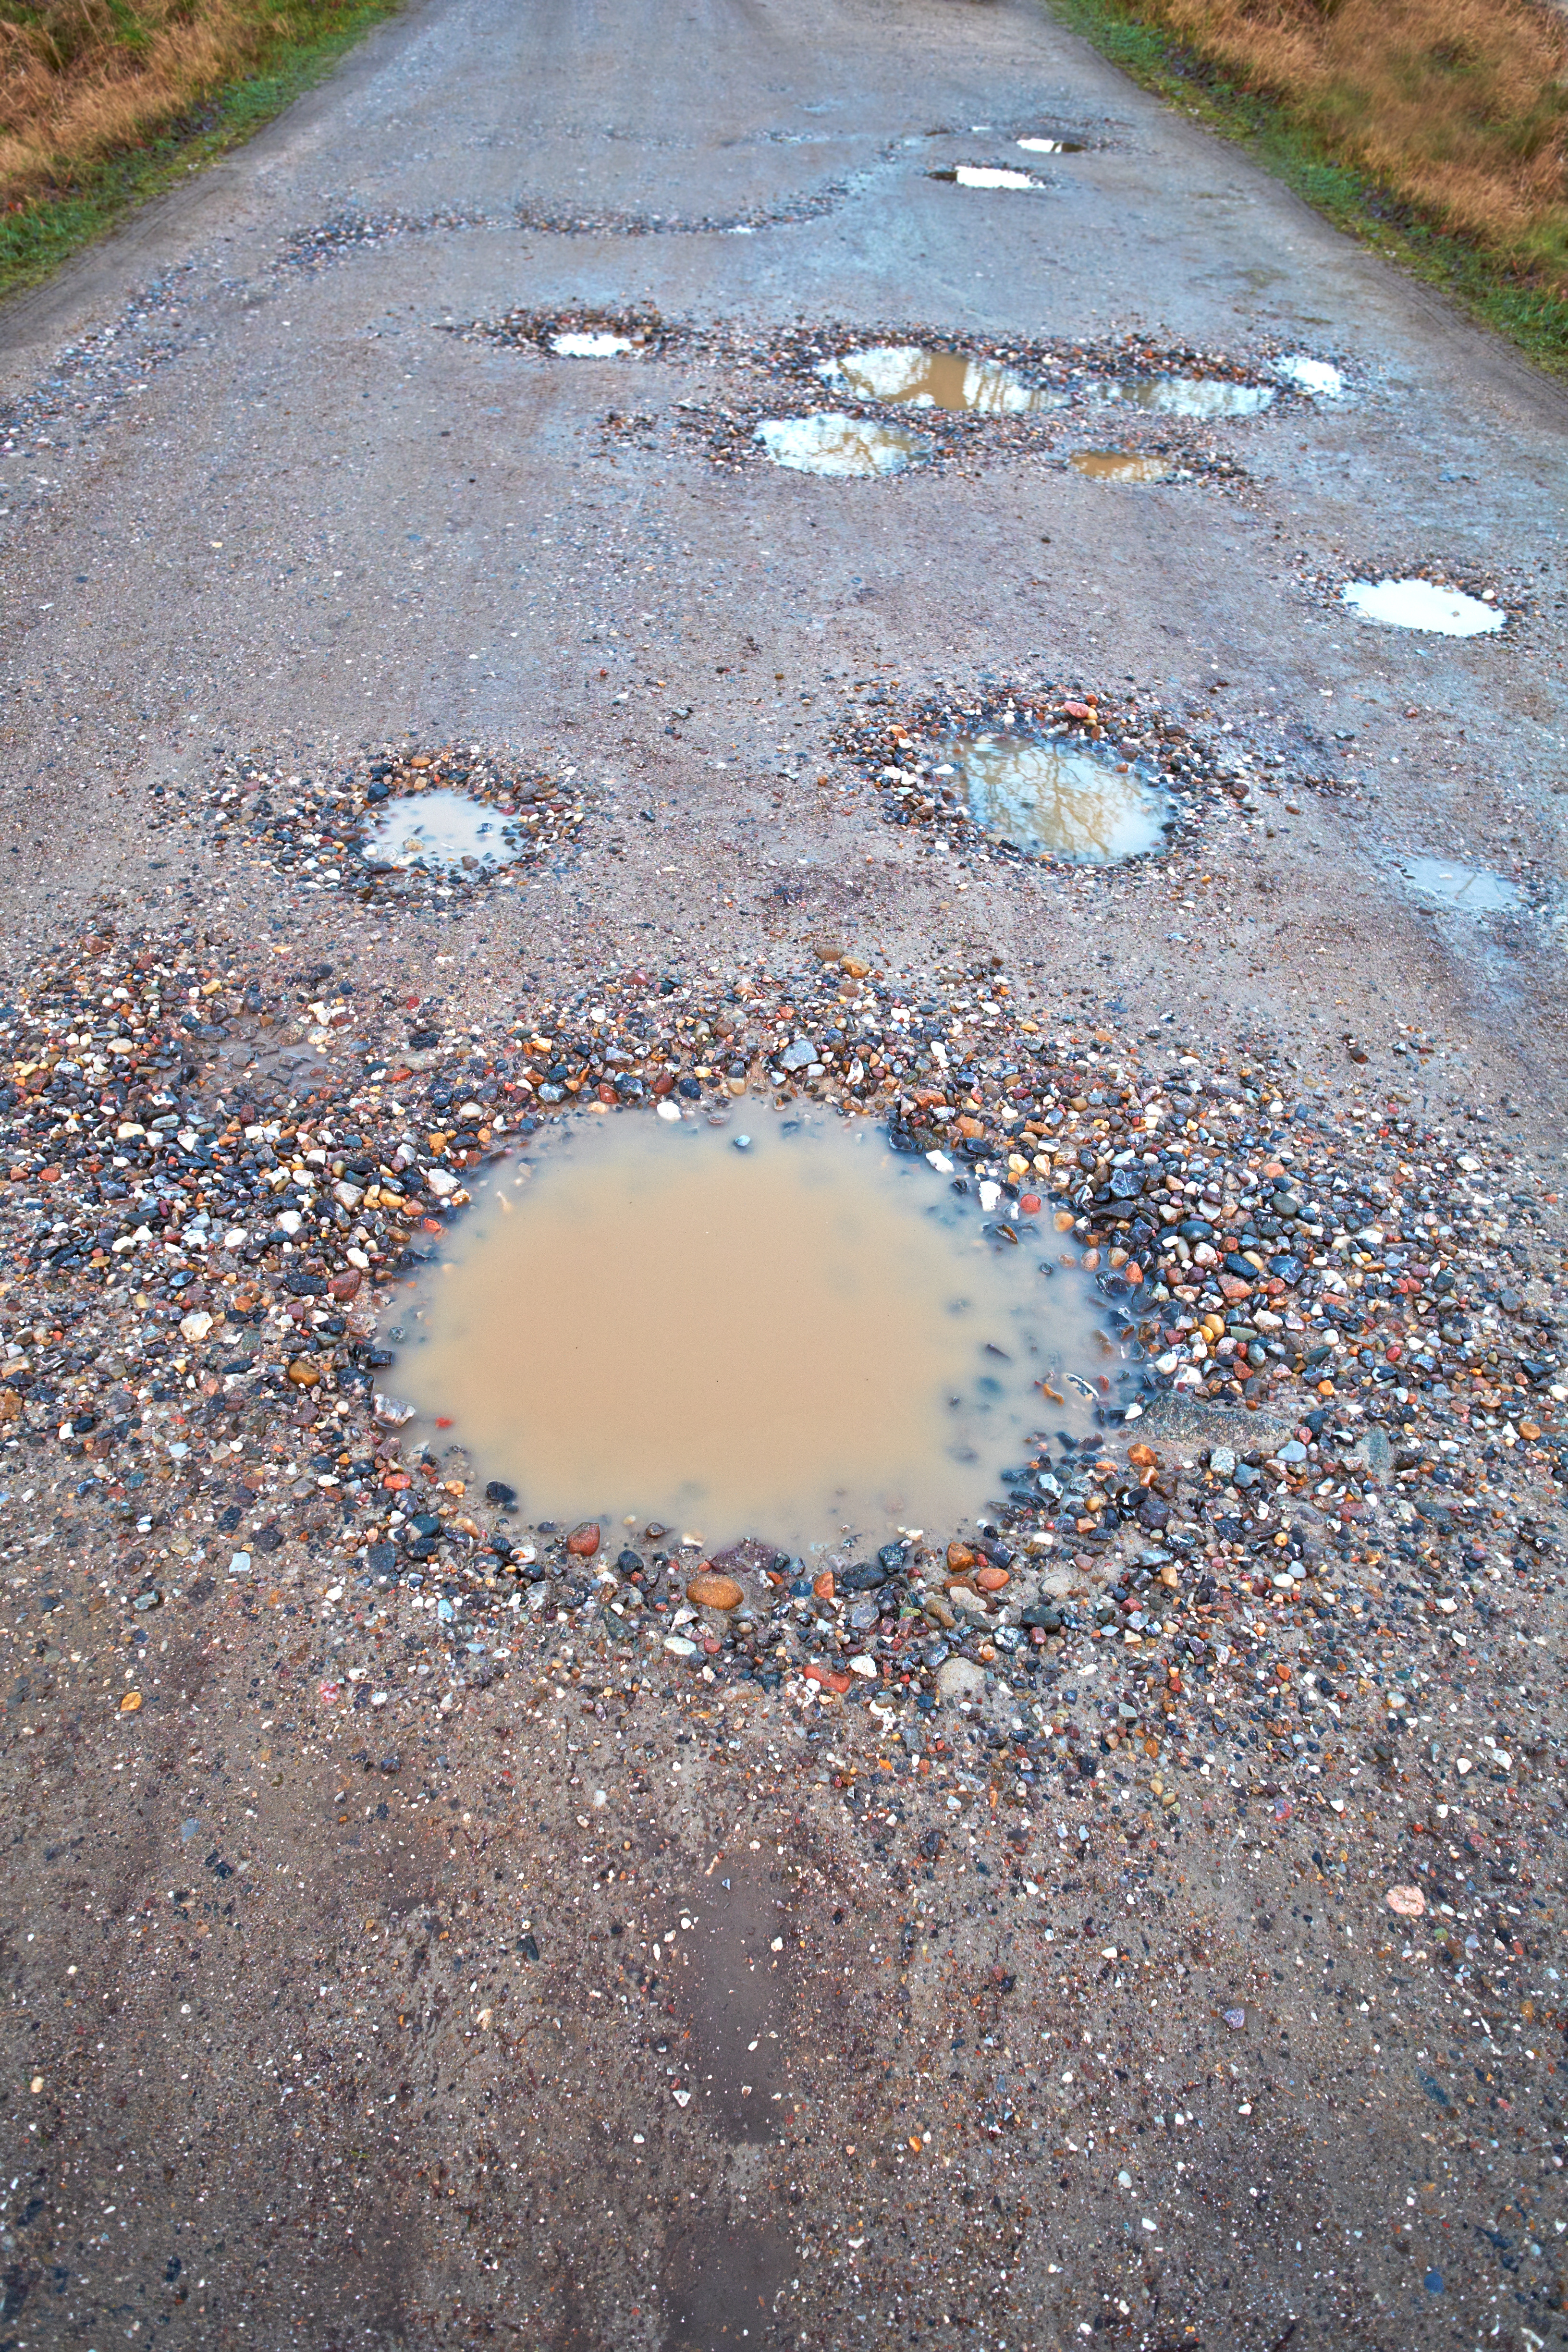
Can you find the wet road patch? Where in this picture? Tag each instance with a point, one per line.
(1466, 889)
(426, 826)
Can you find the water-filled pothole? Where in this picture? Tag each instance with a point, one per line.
(1469, 889)
(1050, 146)
(778, 1335)
(440, 830)
(1423, 605)
(1203, 397)
(578, 346)
(1319, 378)
(986, 175)
(1060, 800)
(907, 372)
(830, 443)
(1120, 465)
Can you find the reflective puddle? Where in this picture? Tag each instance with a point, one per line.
(986, 175)
(1423, 605)
(1119, 466)
(903, 372)
(1319, 377)
(777, 1340)
(1471, 889)
(1059, 802)
(440, 830)
(1206, 397)
(1050, 146)
(829, 443)
(589, 346)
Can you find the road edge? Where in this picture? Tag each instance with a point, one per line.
(39, 239)
(1533, 321)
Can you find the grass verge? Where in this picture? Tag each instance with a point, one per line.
(60, 200)
(1509, 272)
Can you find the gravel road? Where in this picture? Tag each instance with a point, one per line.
(427, 1928)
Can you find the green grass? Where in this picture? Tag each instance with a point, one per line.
(36, 237)
(1530, 316)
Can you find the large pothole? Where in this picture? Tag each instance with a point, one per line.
(787, 1328)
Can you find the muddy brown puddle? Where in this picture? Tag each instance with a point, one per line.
(1119, 466)
(801, 1335)
(908, 374)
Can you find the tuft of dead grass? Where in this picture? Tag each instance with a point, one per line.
(1459, 108)
(81, 80)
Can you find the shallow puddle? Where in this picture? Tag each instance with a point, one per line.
(846, 445)
(1423, 605)
(589, 346)
(440, 829)
(776, 1338)
(1319, 377)
(1050, 146)
(1470, 890)
(903, 372)
(986, 175)
(1119, 466)
(1061, 803)
(1206, 397)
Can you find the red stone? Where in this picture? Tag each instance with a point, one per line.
(584, 1541)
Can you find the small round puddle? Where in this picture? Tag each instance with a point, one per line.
(439, 829)
(906, 372)
(779, 1340)
(986, 175)
(829, 443)
(1319, 377)
(1119, 466)
(1422, 604)
(1060, 803)
(589, 346)
(1205, 397)
(1468, 889)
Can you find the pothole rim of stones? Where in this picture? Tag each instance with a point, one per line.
(340, 786)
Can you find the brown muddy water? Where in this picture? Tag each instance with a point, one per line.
(1119, 466)
(783, 1329)
(908, 374)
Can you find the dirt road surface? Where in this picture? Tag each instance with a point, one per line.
(387, 1964)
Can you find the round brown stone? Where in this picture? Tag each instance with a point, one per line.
(709, 1590)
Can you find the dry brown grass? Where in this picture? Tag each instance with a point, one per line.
(1459, 108)
(83, 79)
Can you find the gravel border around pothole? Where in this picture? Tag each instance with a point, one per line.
(1517, 596)
(892, 741)
(311, 828)
(195, 1367)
